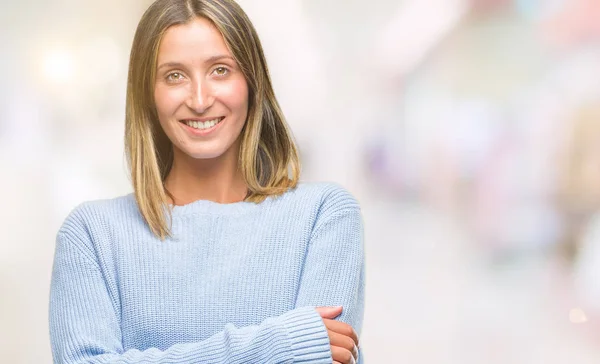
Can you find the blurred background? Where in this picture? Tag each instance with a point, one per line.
(469, 130)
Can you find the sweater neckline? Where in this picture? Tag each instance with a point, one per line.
(212, 207)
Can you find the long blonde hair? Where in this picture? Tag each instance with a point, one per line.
(268, 156)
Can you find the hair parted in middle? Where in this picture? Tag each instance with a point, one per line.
(268, 158)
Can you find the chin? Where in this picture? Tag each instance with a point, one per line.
(203, 153)
(203, 150)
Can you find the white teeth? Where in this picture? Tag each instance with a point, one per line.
(202, 124)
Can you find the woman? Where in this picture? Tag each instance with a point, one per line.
(220, 255)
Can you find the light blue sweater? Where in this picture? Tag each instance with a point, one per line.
(237, 283)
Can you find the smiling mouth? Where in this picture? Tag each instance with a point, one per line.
(202, 125)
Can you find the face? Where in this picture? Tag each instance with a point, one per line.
(200, 93)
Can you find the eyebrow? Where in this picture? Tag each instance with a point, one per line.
(208, 60)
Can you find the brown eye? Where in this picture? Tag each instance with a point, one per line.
(221, 71)
(175, 76)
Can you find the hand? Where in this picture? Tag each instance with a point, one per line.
(342, 337)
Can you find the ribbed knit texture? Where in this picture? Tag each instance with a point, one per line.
(237, 283)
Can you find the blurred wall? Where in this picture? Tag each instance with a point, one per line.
(468, 130)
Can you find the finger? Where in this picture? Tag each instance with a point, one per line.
(343, 341)
(329, 312)
(341, 328)
(342, 355)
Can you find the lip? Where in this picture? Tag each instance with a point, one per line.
(203, 119)
(204, 132)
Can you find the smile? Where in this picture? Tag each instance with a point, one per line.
(202, 125)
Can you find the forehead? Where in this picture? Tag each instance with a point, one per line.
(193, 42)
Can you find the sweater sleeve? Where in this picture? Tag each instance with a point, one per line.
(85, 327)
(334, 268)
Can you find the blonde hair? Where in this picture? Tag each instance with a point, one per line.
(268, 156)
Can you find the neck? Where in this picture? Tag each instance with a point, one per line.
(217, 179)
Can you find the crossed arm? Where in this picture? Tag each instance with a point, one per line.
(333, 275)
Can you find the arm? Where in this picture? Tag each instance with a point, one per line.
(333, 273)
(85, 328)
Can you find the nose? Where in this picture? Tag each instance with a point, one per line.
(200, 98)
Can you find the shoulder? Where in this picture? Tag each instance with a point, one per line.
(91, 216)
(335, 215)
(328, 197)
(321, 204)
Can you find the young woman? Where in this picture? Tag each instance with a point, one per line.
(219, 255)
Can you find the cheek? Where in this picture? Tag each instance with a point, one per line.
(166, 104)
(235, 96)
(166, 101)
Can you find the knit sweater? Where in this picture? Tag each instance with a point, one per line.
(236, 283)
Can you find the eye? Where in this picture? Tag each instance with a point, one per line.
(221, 71)
(174, 77)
